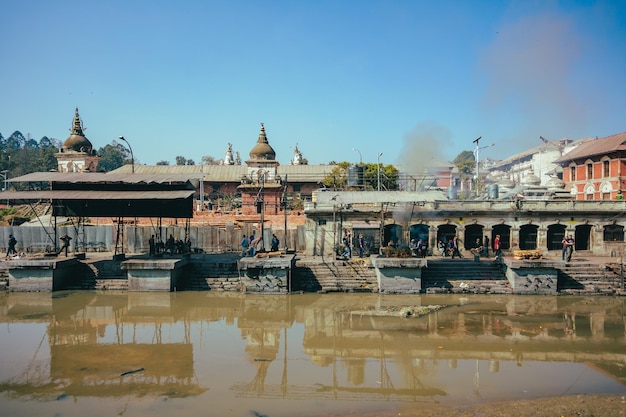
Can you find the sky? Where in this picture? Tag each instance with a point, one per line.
(406, 82)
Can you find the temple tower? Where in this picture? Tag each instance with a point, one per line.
(77, 153)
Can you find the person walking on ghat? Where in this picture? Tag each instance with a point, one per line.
(11, 246)
(66, 243)
(568, 248)
(245, 243)
(496, 246)
(361, 244)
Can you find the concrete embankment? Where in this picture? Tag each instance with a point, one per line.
(223, 272)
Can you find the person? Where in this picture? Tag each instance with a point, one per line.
(441, 247)
(252, 245)
(152, 246)
(346, 250)
(255, 245)
(245, 243)
(413, 247)
(450, 248)
(170, 245)
(455, 248)
(568, 248)
(66, 243)
(346, 243)
(275, 243)
(420, 248)
(361, 244)
(11, 246)
(496, 246)
(486, 247)
(478, 248)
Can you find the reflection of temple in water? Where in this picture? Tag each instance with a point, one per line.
(359, 347)
(86, 361)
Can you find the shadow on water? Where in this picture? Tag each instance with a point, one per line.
(232, 354)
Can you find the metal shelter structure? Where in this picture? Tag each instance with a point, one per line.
(82, 195)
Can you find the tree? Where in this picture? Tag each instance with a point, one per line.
(210, 160)
(338, 176)
(181, 160)
(113, 156)
(163, 162)
(465, 163)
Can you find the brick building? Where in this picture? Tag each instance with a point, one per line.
(596, 169)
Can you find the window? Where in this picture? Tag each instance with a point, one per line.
(589, 171)
(613, 233)
(572, 173)
(606, 169)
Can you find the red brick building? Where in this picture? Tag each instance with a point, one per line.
(596, 169)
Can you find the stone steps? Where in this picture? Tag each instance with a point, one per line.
(461, 269)
(335, 276)
(579, 278)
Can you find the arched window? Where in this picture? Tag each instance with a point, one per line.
(613, 233)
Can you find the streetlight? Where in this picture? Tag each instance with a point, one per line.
(378, 167)
(4, 173)
(360, 157)
(476, 152)
(132, 158)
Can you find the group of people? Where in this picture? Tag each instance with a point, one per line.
(171, 246)
(418, 248)
(480, 247)
(568, 248)
(250, 245)
(347, 245)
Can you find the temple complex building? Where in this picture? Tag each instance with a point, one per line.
(77, 153)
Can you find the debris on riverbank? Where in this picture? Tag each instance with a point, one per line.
(398, 311)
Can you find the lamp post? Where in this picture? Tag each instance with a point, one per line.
(132, 158)
(476, 153)
(360, 157)
(378, 168)
(4, 173)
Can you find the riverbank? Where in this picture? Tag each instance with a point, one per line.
(566, 406)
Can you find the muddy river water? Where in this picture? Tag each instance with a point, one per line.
(206, 354)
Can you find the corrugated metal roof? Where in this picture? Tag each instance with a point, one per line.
(94, 195)
(108, 177)
(214, 173)
(591, 147)
(233, 173)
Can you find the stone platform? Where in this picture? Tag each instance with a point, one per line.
(43, 274)
(154, 274)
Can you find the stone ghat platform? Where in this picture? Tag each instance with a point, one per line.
(277, 273)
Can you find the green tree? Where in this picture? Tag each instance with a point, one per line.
(338, 176)
(465, 163)
(113, 156)
(181, 160)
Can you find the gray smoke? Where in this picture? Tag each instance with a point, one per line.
(530, 71)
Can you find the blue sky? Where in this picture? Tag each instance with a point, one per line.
(415, 80)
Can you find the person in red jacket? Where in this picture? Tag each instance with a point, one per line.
(496, 246)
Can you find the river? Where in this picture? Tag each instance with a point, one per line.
(202, 353)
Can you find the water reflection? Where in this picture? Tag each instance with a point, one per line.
(174, 354)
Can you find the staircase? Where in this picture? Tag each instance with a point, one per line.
(464, 275)
(355, 275)
(206, 273)
(104, 274)
(581, 276)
